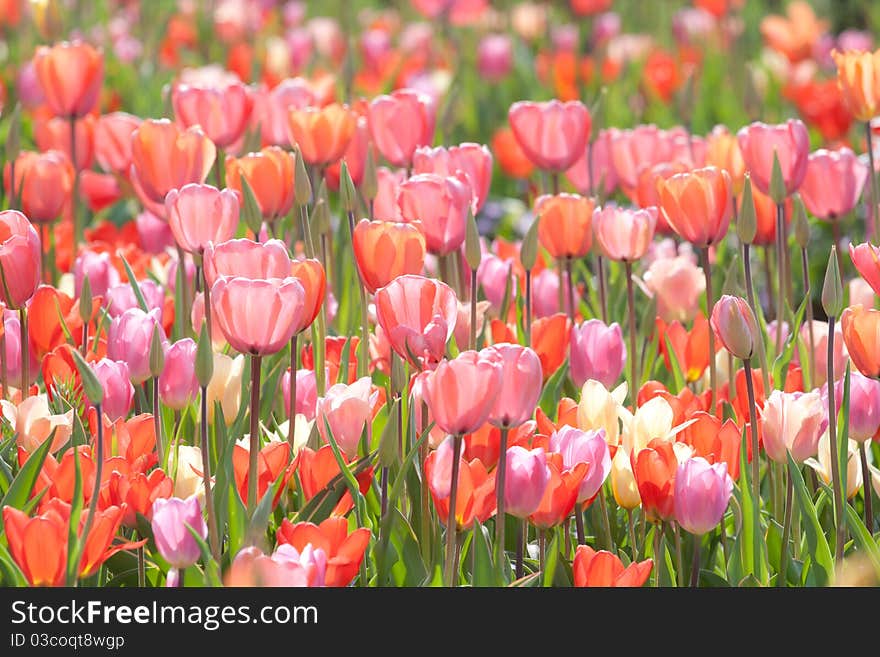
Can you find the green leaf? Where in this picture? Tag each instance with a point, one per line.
(863, 538)
(74, 549)
(24, 482)
(9, 570)
(677, 375)
(551, 561)
(550, 395)
(132, 280)
(484, 573)
(817, 545)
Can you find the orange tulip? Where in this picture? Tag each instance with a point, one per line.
(858, 76)
(794, 35)
(135, 492)
(322, 134)
(509, 153)
(654, 468)
(270, 173)
(273, 462)
(861, 333)
(565, 224)
(344, 551)
(385, 250)
(54, 134)
(44, 182)
(713, 440)
(550, 339)
(317, 469)
(691, 348)
(561, 493)
(164, 157)
(334, 345)
(603, 568)
(722, 151)
(485, 443)
(70, 75)
(310, 273)
(697, 205)
(47, 310)
(476, 489)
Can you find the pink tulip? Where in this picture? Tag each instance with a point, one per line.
(346, 408)
(154, 233)
(271, 108)
(462, 331)
(199, 214)
(860, 293)
(545, 293)
(791, 143)
(677, 284)
(54, 135)
(312, 560)
(12, 332)
(461, 392)
(121, 298)
(306, 393)
(702, 493)
(285, 568)
(258, 316)
(735, 326)
(400, 123)
(178, 385)
(99, 269)
(474, 160)
(603, 171)
(173, 539)
(866, 258)
(19, 259)
(441, 204)
(597, 352)
(222, 112)
(833, 182)
(623, 234)
(418, 315)
(521, 382)
(793, 422)
(385, 207)
(493, 274)
(526, 479)
(494, 57)
(113, 141)
(129, 340)
(553, 135)
(246, 258)
(118, 391)
(641, 148)
(864, 406)
(819, 349)
(588, 447)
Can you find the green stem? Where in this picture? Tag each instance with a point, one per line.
(157, 423)
(866, 487)
(753, 431)
(805, 268)
(786, 530)
(631, 314)
(832, 440)
(780, 273)
(603, 293)
(571, 295)
(213, 535)
(710, 304)
(77, 223)
(528, 320)
(293, 365)
(579, 523)
(256, 366)
(695, 564)
(874, 193)
(679, 571)
(750, 292)
(4, 369)
(472, 343)
(451, 523)
(25, 352)
(499, 495)
(99, 471)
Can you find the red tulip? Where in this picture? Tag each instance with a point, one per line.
(654, 468)
(603, 568)
(273, 462)
(553, 135)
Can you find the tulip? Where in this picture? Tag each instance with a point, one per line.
(135, 492)
(286, 567)
(822, 465)
(511, 159)
(520, 384)
(441, 205)
(118, 390)
(475, 494)
(310, 273)
(385, 205)
(222, 112)
(306, 393)
(603, 568)
(861, 333)
(346, 409)
(599, 409)
(400, 123)
(722, 151)
(54, 134)
(587, 447)
(697, 205)
(271, 108)
(225, 386)
(652, 420)
(789, 142)
(19, 259)
(734, 324)
(418, 315)
(344, 550)
(552, 134)
(793, 422)
(186, 464)
(623, 481)
(564, 227)
(70, 76)
(702, 493)
(623, 235)
(33, 423)
(860, 292)
(165, 157)
(120, 298)
(178, 385)
(461, 393)
(677, 284)
(866, 258)
(474, 160)
(99, 269)
(247, 259)
(174, 522)
(494, 57)
(270, 174)
(14, 356)
(864, 407)
(113, 141)
(43, 182)
(255, 472)
(128, 340)
(318, 468)
(385, 250)
(321, 134)
(560, 495)
(154, 233)
(527, 477)
(242, 305)
(655, 468)
(833, 183)
(858, 77)
(597, 352)
(199, 214)
(818, 349)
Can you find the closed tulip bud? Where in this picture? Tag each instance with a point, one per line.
(91, 384)
(117, 390)
(623, 481)
(320, 216)
(204, 358)
(702, 493)
(747, 222)
(389, 445)
(301, 185)
(85, 301)
(528, 250)
(832, 289)
(526, 479)
(734, 324)
(157, 353)
(370, 182)
(473, 253)
(172, 519)
(800, 223)
(777, 183)
(347, 191)
(346, 409)
(19, 259)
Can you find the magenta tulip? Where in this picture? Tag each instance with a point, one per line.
(597, 352)
(588, 447)
(702, 493)
(116, 383)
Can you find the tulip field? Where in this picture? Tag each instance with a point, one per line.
(440, 293)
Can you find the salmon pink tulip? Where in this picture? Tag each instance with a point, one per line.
(19, 259)
(833, 183)
(789, 141)
(861, 333)
(461, 392)
(553, 134)
(400, 123)
(199, 214)
(385, 250)
(474, 160)
(246, 258)
(441, 205)
(222, 112)
(520, 384)
(564, 227)
(697, 205)
(622, 234)
(270, 173)
(70, 75)
(43, 181)
(322, 134)
(346, 409)
(113, 141)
